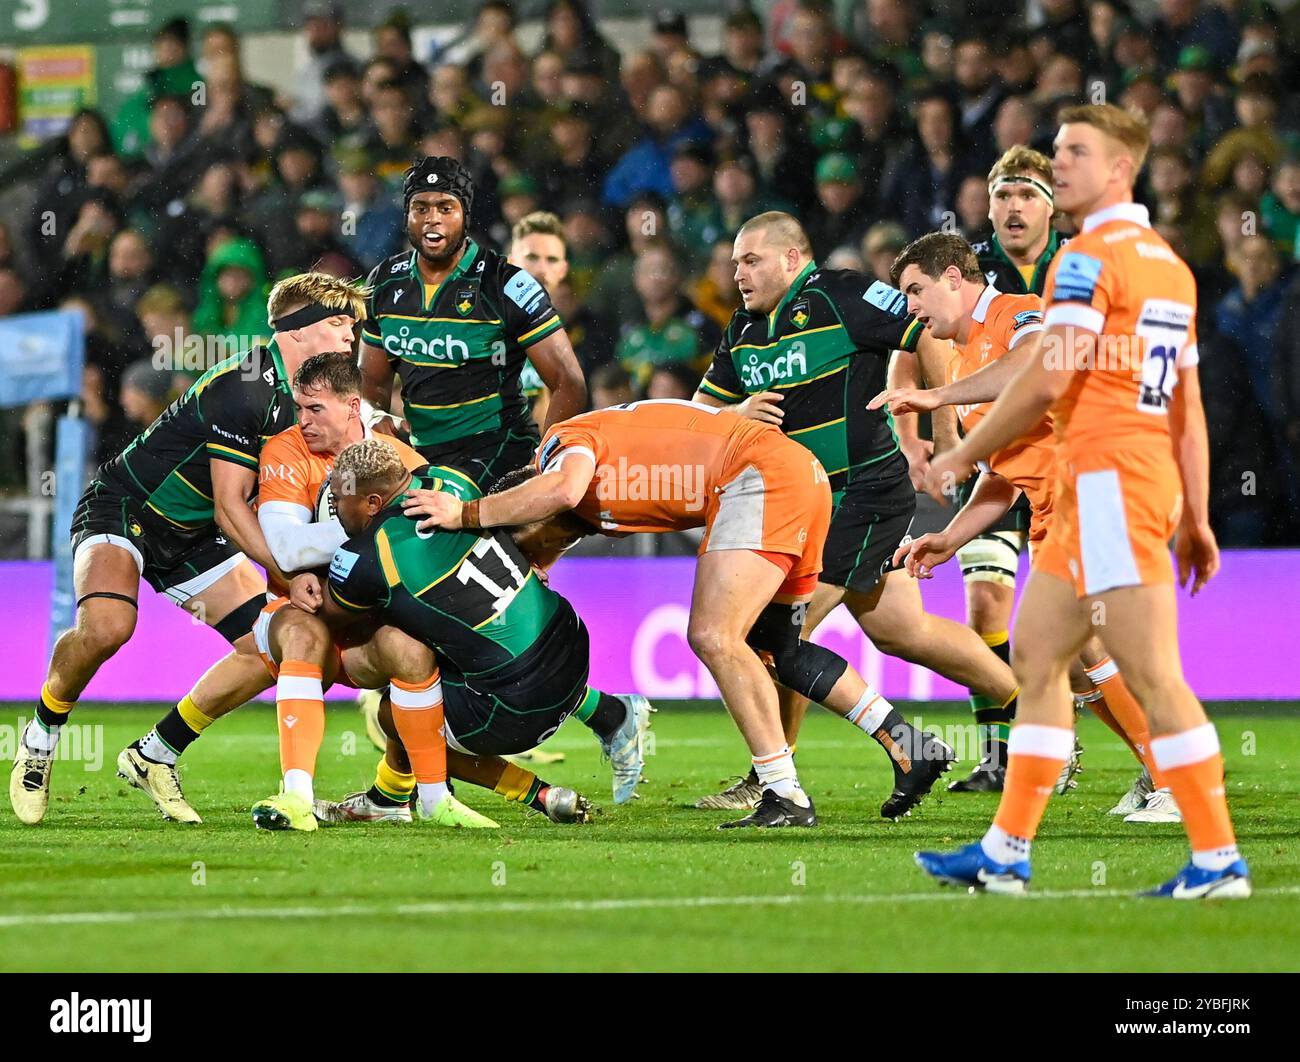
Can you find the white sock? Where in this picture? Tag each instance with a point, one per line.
(296, 780)
(869, 713)
(776, 772)
(152, 747)
(431, 794)
(1001, 847)
(39, 740)
(1216, 858)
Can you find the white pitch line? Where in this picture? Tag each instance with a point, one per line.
(545, 906)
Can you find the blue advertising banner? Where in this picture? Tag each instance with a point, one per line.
(41, 356)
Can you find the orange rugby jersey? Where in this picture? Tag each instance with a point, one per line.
(292, 475)
(658, 463)
(1000, 322)
(1119, 279)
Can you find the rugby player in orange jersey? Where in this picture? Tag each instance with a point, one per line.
(1116, 365)
(765, 504)
(944, 284)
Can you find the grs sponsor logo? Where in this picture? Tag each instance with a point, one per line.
(757, 375)
(77, 1015)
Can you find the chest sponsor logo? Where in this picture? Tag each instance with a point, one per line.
(445, 348)
(757, 373)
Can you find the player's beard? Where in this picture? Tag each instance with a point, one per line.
(451, 248)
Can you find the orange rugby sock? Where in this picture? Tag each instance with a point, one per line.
(418, 716)
(1193, 765)
(300, 708)
(1035, 756)
(1126, 711)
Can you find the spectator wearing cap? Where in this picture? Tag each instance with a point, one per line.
(519, 195)
(1134, 52)
(1181, 23)
(645, 222)
(232, 297)
(343, 118)
(843, 212)
(392, 40)
(776, 142)
(742, 44)
(647, 165)
(691, 217)
(669, 328)
(1196, 91)
(372, 221)
(881, 246)
(571, 163)
(319, 223)
(173, 74)
(323, 35)
(921, 184)
(668, 32)
(979, 92)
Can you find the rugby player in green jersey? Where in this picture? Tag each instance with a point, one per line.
(172, 509)
(456, 323)
(806, 351)
(512, 654)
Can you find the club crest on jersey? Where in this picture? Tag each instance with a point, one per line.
(799, 314)
(465, 301)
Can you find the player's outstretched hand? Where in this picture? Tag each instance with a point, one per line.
(944, 474)
(1197, 554)
(764, 406)
(906, 400)
(919, 453)
(436, 509)
(305, 592)
(922, 555)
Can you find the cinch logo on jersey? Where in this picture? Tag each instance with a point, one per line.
(757, 374)
(443, 348)
(77, 1015)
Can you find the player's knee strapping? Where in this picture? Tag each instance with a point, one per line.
(239, 621)
(801, 666)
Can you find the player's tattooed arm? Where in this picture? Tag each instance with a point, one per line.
(232, 485)
(557, 365)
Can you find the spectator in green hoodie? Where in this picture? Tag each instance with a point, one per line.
(232, 298)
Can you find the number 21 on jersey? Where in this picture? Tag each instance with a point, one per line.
(1163, 327)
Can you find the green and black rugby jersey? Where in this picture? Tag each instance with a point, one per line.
(470, 596)
(1005, 275)
(226, 415)
(459, 348)
(826, 349)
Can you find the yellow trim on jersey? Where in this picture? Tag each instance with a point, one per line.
(174, 523)
(198, 390)
(443, 320)
(531, 572)
(814, 427)
(457, 405)
(720, 392)
(915, 326)
(236, 453)
(344, 601)
(454, 567)
(192, 487)
(792, 335)
(385, 550)
(814, 379)
(528, 335)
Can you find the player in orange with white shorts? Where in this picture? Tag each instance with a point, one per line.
(945, 287)
(765, 504)
(1116, 365)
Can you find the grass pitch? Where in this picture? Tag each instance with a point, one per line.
(105, 884)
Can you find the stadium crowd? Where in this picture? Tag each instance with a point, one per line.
(874, 122)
